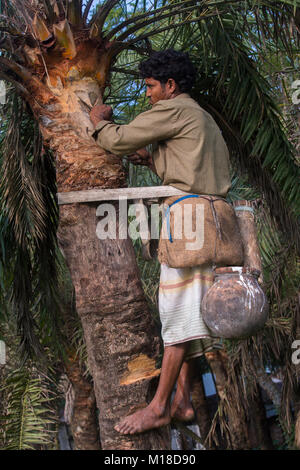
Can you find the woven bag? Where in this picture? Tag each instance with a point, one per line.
(199, 230)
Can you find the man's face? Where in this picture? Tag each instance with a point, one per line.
(156, 90)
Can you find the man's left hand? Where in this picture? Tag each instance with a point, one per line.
(141, 157)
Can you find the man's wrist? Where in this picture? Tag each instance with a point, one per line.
(99, 127)
(100, 118)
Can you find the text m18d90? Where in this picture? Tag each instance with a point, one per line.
(172, 459)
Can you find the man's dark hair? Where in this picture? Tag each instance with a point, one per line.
(167, 64)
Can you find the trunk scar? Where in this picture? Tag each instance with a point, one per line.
(140, 368)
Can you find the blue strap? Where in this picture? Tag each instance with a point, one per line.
(168, 212)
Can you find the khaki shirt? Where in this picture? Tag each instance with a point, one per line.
(190, 152)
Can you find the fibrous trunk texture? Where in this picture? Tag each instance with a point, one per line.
(260, 436)
(84, 418)
(66, 127)
(201, 407)
(297, 431)
(235, 413)
(80, 403)
(119, 332)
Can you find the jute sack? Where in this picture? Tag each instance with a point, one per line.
(199, 231)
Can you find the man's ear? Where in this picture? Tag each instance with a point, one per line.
(172, 85)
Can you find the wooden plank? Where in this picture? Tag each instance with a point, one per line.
(95, 195)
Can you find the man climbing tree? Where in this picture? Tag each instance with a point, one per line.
(191, 155)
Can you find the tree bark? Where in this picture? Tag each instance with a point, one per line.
(200, 405)
(297, 431)
(260, 436)
(236, 416)
(80, 411)
(297, 415)
(83, 420)
(120, 335)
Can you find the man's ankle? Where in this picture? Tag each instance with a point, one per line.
(160, 408)
(182, 397)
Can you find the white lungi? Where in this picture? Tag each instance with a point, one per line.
(180, 294)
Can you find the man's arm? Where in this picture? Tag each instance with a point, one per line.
(151, 126)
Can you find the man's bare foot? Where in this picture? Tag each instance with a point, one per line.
(143, 420)
(182, 410)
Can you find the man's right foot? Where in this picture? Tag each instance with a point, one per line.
(143, 420)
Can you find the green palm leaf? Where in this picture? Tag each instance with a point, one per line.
(28, 421)
(28, 228)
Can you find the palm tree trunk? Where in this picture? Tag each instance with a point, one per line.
(80, 402)
(297, 416)
(297, 431)
(237, 419)
(122, 343)
(200, 406)
(84, 419)
(260, 436)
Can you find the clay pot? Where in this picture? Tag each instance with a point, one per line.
(235, 306)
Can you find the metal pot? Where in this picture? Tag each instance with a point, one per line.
(235, 306)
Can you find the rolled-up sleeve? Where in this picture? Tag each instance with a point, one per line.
(155, 125)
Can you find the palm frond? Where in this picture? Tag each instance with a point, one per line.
(87, 10)
(241, 101)
(28, 226)
(138, 21)
(29, 420)
(102, 13)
